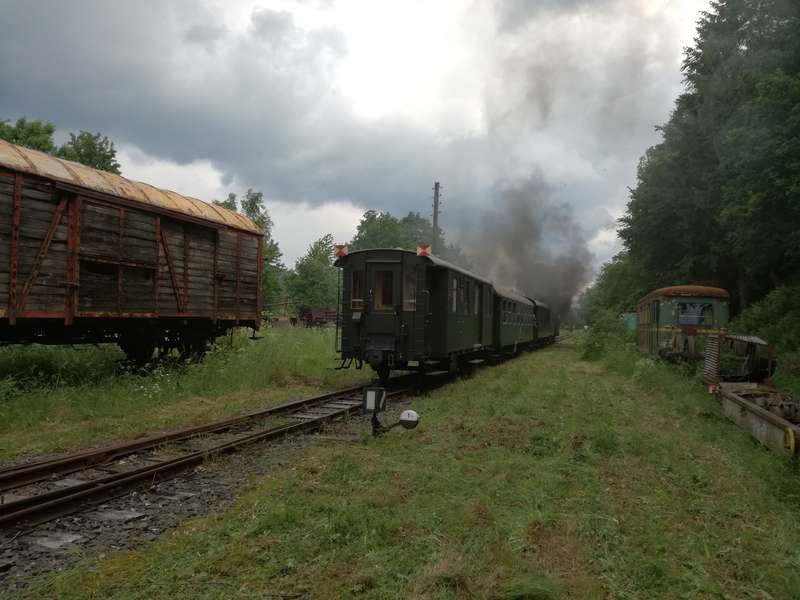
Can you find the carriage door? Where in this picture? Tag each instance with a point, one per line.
(384, 289)
(486, 315)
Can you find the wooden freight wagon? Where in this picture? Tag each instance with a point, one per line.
(88, 256)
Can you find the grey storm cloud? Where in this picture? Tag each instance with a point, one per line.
(514, 14)
(261, 107)
(572, 109)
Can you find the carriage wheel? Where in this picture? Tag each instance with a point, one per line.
(138, 347)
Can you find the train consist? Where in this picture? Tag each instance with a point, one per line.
(88, 256)
(413, 311)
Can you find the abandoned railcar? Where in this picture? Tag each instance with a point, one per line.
(674, 322)
(88, 256)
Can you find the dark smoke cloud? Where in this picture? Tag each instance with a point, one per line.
(532, 243)
(515, 14)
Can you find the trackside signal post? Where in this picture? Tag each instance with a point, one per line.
(374, 401)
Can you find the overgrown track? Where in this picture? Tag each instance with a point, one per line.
(42, 493)
(26, 511)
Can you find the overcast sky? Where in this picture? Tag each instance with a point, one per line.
(331, 107)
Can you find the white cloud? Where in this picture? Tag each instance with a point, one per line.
(199, 178)
(298, 225)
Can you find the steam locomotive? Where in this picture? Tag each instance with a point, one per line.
(413, 311)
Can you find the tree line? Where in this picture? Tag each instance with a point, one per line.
(717, 200)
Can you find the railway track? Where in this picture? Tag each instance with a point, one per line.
(52, 488)
(37, 492)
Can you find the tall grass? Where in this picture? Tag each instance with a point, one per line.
(545, 477)
(56, 397)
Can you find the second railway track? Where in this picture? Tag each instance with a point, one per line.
(43, 493)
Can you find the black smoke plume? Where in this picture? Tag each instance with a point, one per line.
(531, 243)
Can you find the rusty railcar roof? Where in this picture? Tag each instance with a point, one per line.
(687, 290)
(33, 162)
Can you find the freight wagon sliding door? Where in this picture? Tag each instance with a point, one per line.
(33, 248)
(237, 275)
(186, 269)
(118, 265)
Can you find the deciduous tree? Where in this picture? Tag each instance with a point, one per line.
(91, 149)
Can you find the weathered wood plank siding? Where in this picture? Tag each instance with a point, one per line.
(124, 268)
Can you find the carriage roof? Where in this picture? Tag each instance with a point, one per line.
(81, 177)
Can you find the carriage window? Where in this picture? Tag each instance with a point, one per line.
(695, 313)
(454, 293)
(410, 290)
(384, 290)
(357, 291)
(477, 299)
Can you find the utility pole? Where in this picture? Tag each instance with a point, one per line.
(435, 242)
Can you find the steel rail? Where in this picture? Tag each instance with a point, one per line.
(27, 473)
(34, 510)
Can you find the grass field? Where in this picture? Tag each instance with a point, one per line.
(545, 477)
(54, 398)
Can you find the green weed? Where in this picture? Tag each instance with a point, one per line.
(54, 398)
(545, 477)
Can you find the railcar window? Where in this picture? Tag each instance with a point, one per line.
(695, 313)
(384, 290)
(410, 290)
(454, 294)
(477, 299)
(357, 291)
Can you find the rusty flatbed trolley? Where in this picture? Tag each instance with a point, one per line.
(88, 256)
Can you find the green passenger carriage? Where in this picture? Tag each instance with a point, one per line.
(674, 321)
(413, 311)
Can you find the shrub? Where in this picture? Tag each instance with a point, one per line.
(776, 318)
(606, 332)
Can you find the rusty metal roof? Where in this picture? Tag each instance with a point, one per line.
(747, 339)
(687, 290)
(40, 164)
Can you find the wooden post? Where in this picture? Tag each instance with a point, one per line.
(120, 236)
(14, 266)
(215, 308)
(238, 251)
(73, 259)
(185, 270)
(157, 276)
(261, 267)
